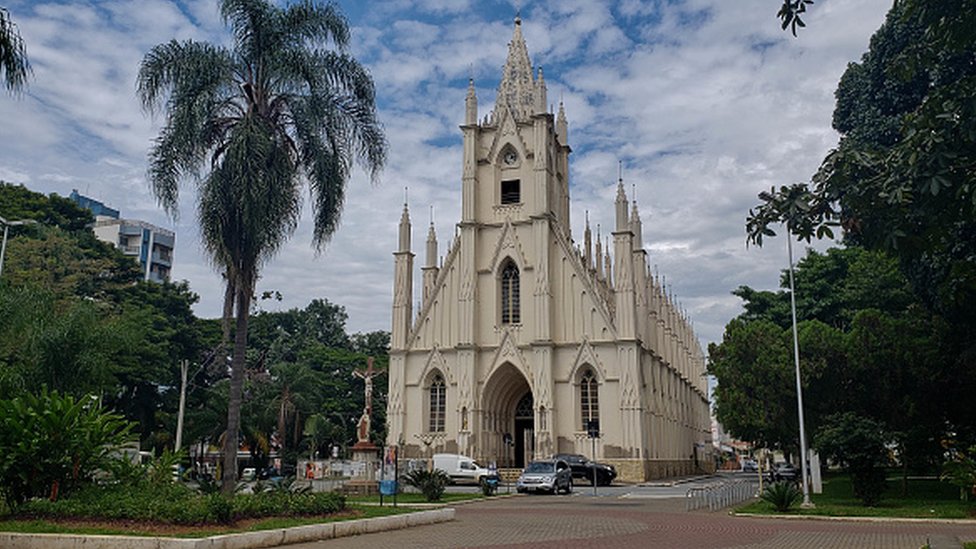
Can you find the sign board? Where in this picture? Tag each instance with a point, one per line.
(593, 428)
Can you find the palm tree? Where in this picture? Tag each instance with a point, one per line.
(293, 382)
(285, 105)
(14, 66)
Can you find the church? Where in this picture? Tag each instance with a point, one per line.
(527, 344)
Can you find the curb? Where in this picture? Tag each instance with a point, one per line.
(435, 505)
(669, 484)
(908, 520)
(245, 540)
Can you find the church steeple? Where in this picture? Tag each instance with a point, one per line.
(429, 269)
(402, 285)
(517, 88)
(623, 223)
(636, 226)
(562, 126)
(588, 243)
(404, 230)
(471, 105)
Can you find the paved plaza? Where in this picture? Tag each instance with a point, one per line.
(623, 517)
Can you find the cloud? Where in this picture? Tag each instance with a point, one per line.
(704, 103)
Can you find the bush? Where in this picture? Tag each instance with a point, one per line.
(960, 470)
(176, 504)
(859, 444)
(430, 483)
(782, 495)
(53, 443)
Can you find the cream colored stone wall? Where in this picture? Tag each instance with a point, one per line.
(575, 313)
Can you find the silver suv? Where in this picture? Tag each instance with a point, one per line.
(546, 476)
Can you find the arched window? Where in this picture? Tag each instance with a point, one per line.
(510, 294)
(438, 404)
(589, 401)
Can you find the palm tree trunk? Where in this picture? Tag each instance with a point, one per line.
(228, 310)
(229, 476)
(282, 410)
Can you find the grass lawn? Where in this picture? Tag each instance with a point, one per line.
(413, 497)
(128, 528)
(925, 499)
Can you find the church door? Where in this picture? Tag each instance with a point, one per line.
(524, 431)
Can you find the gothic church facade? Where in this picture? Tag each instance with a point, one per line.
(524, 339)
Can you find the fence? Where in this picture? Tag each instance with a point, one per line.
(720, 495)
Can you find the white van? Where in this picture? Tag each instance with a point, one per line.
(460, 468)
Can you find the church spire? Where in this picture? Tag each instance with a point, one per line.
(623, 223)
(540, 93)
(471, 105)
(405, 229)
(635, 224)
(599, 253)
(588, 243)
(431, 246)
(517, 88)
(562, 126)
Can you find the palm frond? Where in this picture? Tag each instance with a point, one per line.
(315, 24)
(14, 65)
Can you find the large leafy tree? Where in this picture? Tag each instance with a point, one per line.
(303, 363)
(14, 66)
(903, 177)
(867, 347)
(284, 105)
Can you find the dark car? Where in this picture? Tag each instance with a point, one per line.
(545, 476)
(583, 469)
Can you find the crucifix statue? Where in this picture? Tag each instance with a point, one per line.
(367, 376)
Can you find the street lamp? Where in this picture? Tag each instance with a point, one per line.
(6, 228)
(799, 388)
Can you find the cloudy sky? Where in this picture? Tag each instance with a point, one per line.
(705, 102)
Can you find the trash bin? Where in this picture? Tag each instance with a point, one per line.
(388, 487)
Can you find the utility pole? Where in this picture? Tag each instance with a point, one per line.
(184, 365)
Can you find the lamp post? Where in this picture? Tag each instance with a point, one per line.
(6, 228)
(799, 388)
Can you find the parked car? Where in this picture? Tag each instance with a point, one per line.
(749, 466)
(546, 476)
(583, 469)
(462, 469)
(783, 471)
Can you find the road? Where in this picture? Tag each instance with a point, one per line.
(621, 517)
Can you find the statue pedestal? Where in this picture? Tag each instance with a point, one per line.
(364, 484)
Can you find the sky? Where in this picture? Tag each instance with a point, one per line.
(703, 103)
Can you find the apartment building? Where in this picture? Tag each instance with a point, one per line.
(150, 245)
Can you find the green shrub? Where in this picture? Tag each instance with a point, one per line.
(430, 483)
(782, 495)
(52, 444)
(960, 471)
(176, 504)
(220, 508)
(860, 444)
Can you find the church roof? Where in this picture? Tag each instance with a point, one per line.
(517, 88)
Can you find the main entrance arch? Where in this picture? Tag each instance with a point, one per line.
(507, 418)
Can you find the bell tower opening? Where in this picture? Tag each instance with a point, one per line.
(511, 191)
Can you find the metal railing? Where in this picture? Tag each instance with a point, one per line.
(720, 495)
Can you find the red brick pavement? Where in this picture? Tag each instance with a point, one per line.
(584, 522)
